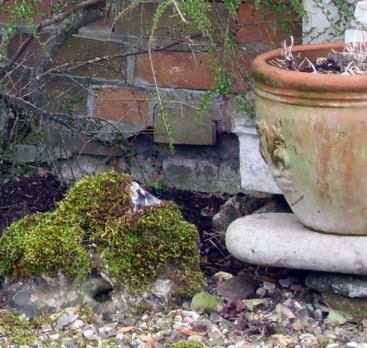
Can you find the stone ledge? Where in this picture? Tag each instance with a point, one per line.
(280, 240)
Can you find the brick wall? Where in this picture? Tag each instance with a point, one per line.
(121, 90)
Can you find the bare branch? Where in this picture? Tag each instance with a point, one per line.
(47, 22)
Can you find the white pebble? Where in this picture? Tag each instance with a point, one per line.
(77, 324)
(177, 319)
(54, 337)
(120, 336)
(191, 314)
(89, 334)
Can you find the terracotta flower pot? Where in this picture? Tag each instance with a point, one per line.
(313, 134)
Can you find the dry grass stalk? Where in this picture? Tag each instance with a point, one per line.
(351, 61)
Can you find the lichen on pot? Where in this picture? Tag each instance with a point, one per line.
(95, 227)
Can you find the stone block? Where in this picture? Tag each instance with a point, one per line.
(54, 138)
(81, 167)
(81, 49)
(197, 168)
(186, 125)
(280, 240)
(199, 175)
(255, 174)
(175, 69)
(31, 153)
(318, 26)
(57, 95)
(23, 153)
(340, 284)
(126, 109)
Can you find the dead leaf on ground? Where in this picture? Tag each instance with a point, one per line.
(126, 329)
(284, 311)
(189, 332)
(233, 308)
(336, 318)
(43, 172)
(252, 303)
(150, 341)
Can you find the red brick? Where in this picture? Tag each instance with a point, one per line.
(175, 69)
(239, 71)
(122, 105)
(252, 27)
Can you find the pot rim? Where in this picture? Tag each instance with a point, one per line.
(266, 74)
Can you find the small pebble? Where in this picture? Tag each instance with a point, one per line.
(317, 313)
(65, 321)
(54, 337)
(191, 314)
(77, 324)
(221, 276)
(89, 334)
(285, 282)
(120, 336)
(269, 286)
(215, 317)
(188, 320)
(201, 325)
(177, 319)
(261, 292)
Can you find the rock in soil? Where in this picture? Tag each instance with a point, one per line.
(355, 307)
(342, 284)
(240, 286)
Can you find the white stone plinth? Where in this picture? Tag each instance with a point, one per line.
(280, 240)
(255, 173)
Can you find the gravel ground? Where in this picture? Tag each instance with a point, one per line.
(258, 307)
(281, 313)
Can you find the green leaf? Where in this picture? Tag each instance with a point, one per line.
(252, 303)
(336, 318)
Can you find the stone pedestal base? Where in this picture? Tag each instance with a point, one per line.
(280, 240)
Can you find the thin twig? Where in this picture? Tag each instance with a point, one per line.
(179, 12)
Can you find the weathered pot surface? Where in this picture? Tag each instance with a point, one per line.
(313, 134)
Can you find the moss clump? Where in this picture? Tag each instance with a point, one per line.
(157, 237)
(95, 200)
(186, 344)
(96, 217)
(43, 243)
(19, 328)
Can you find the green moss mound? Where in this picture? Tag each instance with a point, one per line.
(94, 221)
(43, 243)
(142, 249)
(186, 344)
